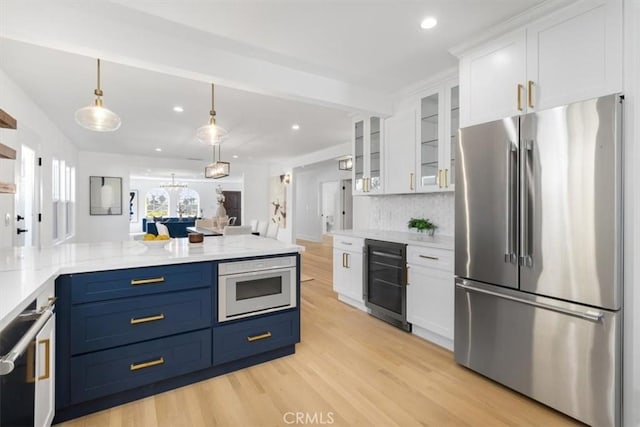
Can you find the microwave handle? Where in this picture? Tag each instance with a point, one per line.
(259, 272)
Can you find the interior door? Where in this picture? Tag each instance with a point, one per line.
(486, 203)
(346, 204)
(27, 198)
(233, 205)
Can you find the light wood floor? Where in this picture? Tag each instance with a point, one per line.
(349, 369)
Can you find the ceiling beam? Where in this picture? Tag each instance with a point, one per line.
(119, 34)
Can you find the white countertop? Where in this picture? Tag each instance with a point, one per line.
(418, 239)
(25, 271)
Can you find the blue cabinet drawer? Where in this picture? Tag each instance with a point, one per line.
(111, 371)
(249, 337)
(105, 324)
(105, 285)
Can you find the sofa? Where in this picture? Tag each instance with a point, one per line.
(177, 226)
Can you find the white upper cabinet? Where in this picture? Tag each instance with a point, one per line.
(492, 79)
(438, 123)
(571, 55)
(575, 55)
(367, 155)
(400, 141)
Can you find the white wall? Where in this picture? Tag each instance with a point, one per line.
(308, 187)
(394, 211)
(255, 189)
(100, 228)
(39, 133)
(631, 364)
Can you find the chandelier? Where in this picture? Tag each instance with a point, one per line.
(211, 133)
(97, 117)
(217, 169)
(173, 185)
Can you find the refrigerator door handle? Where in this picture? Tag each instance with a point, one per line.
(593, 315)
(509, 253)
(525, 257)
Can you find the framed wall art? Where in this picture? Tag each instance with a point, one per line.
(105, 195)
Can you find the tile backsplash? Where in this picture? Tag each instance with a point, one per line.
(394, 211)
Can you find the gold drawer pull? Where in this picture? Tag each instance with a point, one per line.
(47, 354)
(530, 94)
(135, 321)
(147, 281)
(135, 367)
(520, 88)
(429, 257)
(259, 337)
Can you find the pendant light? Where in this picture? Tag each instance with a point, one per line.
(96, 117)
(217, 169)
(211, 133)
(173, 185)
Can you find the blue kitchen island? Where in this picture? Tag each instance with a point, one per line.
(133, 321)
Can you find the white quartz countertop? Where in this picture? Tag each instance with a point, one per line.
(417, 239)
(25, 271)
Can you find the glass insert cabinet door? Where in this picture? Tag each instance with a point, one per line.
(367, 155)
(452, 137)
(358, 157)
(374, 156)
(429, 139)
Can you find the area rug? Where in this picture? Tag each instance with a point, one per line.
(305, 278)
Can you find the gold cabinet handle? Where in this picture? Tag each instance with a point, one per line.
(368, 185)
(47, 361)
(344, 265)
(439, 179)
(411, 181)
(135, 367)
(259, 337)
(446, 178)
(346, 257)
(135, 321)
(31, 363)
(520, 88)
(530, 94)
(147, 281)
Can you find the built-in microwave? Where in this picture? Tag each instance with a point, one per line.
(249, 288)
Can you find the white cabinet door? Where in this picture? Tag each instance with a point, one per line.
(492, 80)
(430, 300)
(400, 140)
(45, 374)
(347, 274)
(574, 55)
(367, 155)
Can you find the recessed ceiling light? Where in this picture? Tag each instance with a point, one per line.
(235, 156)
(178, 109)
(428, 23)
(295, 126)
(158, 149)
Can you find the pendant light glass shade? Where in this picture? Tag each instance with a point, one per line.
(96, 117)
(211, 133)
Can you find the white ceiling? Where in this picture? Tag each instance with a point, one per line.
(375, 44)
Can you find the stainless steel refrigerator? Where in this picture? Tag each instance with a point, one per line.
(538, 256)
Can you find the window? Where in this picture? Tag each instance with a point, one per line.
(63, 195)
(188, 202)
(156, 203)
(55, 196)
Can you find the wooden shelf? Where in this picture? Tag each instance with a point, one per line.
(6, 121)
(6, 188)
(7, 152)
